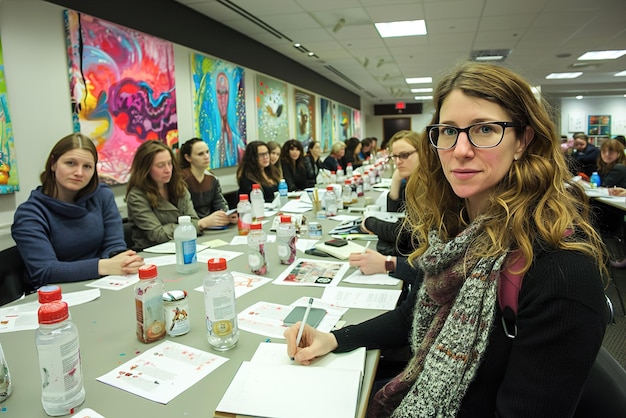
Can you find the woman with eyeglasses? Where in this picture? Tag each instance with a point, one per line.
(491, 180)
(156, 195)
(292, 164)
(313, 162)
(255, 167)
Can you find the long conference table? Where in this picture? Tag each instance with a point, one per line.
(107, 340)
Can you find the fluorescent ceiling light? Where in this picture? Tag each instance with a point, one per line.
(579, 97)
(602, 55)
(419, 80)
(423, 97)
(558, 76)
(402, 28)
(620, 74)
(424, 90)
(490, 58)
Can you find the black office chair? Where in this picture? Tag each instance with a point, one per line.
(128, 233)
(12, 275)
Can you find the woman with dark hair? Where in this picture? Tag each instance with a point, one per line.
(206, 193)
(612, 164)
(353, 148)
(313, 162)
(70, 228)
(275, 152)
(491, 197)
(255, 167)
(292, 163)
(156, 195)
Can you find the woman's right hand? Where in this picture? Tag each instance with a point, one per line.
(216, 219)
(369, 262)
(617, 191)
(127, 262)
(313, 343)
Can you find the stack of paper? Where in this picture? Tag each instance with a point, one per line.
(272, 386)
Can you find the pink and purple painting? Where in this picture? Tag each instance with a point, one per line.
(122, 88)
(219, 107)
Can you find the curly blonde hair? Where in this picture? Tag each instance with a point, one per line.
(535, 205)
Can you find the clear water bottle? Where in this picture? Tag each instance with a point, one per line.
(330, 201)
(244, 211)
(346, 194)
(257, 201)
(283, 192)
(340, 174)
(6, 386)
(286, 239)
(149, 305)
(349, 170)
(185, 240)
(333, 177)
(257, 258)
(594, 180)
(219, 304)
(58, 350)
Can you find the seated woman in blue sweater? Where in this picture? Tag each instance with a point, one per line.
(70, 228)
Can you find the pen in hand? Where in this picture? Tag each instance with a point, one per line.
(366, 247)
(304, 318)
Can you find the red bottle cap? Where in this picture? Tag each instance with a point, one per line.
(243, 197)
(256, 225)
(147, 271)
(256, 186)
(285, 219)
(217, 264)
(53, 312)
(47, 294)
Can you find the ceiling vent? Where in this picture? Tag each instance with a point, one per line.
(348, 80)
(490, 55)
(244, 13)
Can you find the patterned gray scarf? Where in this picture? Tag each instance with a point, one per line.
(453, 318)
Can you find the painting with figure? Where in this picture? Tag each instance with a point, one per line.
(344, 123)
(219, 107)
(305, 117)
(122, 88)
(356, 124)
(327, 123)
(8, 161)
(271, 105)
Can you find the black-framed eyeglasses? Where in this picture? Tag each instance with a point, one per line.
(480, 135)
(402, 155)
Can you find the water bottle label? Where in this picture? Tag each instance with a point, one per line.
(283, 249)
(189, 252)
(60, 368)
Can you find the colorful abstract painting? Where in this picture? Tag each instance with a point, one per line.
(271, 105)
(305, 117)
(219, 107)
(327, 123)
(8, 161)
(356, 123)
(344, 123)
(123, 90)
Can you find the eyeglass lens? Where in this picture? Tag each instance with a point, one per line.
(481, 135)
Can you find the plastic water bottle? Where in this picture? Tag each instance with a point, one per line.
(595, 180)
(6, 386)
(149, 305)
(349, 170)
(286, 240)
(185, 240)
(330, 201)
(257, 201)
(333, 177)
(346, 194)
(283, 192)
(340, 174)
(257, 258)
(58, 350)
(244, 211)
(219, 304)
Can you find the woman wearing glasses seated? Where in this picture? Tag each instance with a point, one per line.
(392, 239)
(255, 167)
(491, 180)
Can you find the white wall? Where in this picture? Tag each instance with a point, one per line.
(574, 114)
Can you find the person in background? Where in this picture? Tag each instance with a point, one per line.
(374, 148)
(366, 149)
(275, 151)
(255, 167)
(585, 155)
(335, 158)
(353, 148)
(313, 162)
(156, 195)
(204, 187)
(491, 180)
(292, 164)
(70, 228)
(393, 239)
(612, 164)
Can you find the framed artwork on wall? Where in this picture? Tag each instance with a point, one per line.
(122, 88)
(9, 182)
(305, 117)
(599, 125)
(219, 108)
(344, 123)
(327, 110)
(271, 105)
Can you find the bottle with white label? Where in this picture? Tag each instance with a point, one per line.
(185, 242)
(58, 350)
(244, 212)
(257, 257)
(286, 239)
(257, 201)
(330, 201)
(149, 305)
(219, 304)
